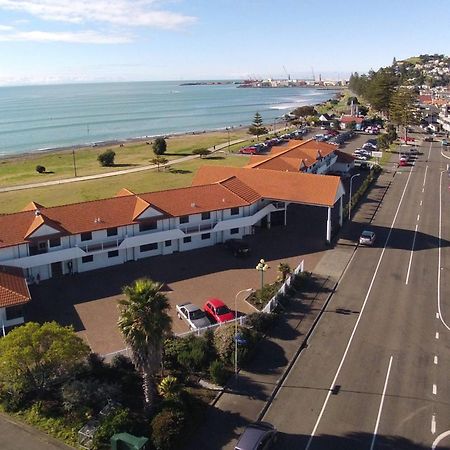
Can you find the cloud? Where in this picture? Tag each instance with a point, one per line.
(82, 37)
(129, 13)
(6, 28)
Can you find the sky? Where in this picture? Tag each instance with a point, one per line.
(63, 41)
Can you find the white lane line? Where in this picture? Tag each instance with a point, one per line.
(437, 315)
(439, 439)
(437, 335)
(429, 151)
(349, 343)
(435, 359)
(434, 389)
(418, 217)
(433, 424)
(380, 409)
(421, 201)
(425, 176)
(411, 255)
(439, 255)
(423, 190)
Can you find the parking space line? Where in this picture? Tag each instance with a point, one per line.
(358, 320)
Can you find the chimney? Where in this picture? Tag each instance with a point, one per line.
(37, 213)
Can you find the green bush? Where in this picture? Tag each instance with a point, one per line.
(167, 429)
(261, 297)
(202, 152)
(159, 146)
(260, 321)
(106, 158)
(224, 342)
(40, 169)
(218, 372)
(118, 421)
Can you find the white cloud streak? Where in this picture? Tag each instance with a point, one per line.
(82, 37)
(129, 13)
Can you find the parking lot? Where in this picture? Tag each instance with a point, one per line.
(88, 301)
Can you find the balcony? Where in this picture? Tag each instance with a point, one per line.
(200, 228)
(101, 246)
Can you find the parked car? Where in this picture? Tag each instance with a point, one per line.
(367, 238)
(217, 310)
(257, 436)
(248, 151)
(402, 163)
(193, 315)
(238, 247)
(445, 143)
(428, 139)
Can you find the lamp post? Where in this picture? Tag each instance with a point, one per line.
(74, 162)
(236, 329)
(350, 198)
(228, 131)
(262, 267)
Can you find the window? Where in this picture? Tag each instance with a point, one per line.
(206, 216)
(148, 247)
(113, 253)
(168, 243)
(86, 236)
(184, 219)
(55, 242)
(187, 239)
(87, 259)
(111, 231)
(234, 211)
(14, 312)
(148, 226)
(234, 231)
(206, 236)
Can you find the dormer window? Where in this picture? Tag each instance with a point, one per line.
(86, 236)
(184, 219)
(111, 231)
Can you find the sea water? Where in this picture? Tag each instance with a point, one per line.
(34, 118)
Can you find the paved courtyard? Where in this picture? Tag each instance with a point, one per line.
(88, 301)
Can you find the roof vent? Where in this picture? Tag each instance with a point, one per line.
(193, 205)
(223, 200)
(37, 213)
(97, 220)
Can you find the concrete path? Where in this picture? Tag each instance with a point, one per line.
(214, 149)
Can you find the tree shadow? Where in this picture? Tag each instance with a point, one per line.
(124, 165)
(268, 358)
(177, 154)
(213, 158)
(179, 171)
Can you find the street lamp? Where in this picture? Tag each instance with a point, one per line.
(262, 267)
(236, 329)
(228, 130)
(350, 198)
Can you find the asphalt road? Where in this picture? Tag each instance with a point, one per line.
(375, 374)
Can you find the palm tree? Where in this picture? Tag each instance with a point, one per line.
(144, 323)
(284, 270)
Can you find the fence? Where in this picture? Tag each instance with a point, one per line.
(200, 331)
(272, 304)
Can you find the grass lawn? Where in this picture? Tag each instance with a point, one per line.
(180, 175)
(59, 165)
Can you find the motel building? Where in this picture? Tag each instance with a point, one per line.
(39, 243)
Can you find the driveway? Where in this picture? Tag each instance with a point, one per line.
(88, 301)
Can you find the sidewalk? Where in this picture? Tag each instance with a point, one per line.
(246, 398)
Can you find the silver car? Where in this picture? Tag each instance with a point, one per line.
(367, 238)
(193, 315)
(257, 436)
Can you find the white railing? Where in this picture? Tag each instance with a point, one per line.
(200, 331)
(272, 304)
(101, 246)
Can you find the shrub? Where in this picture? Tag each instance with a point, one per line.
(201, 151)
(122, 364)
(218, 372)
(106, 158)
(40, 169)
(260, 321)
(224, 342)
(261, 297)
(117, 421)
(169, 388)
(159, 146)
(167, 429)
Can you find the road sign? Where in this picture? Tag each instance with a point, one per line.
(377, 154)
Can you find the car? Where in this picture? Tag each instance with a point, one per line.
(445, 143)
(217, 310)
(238, 247)
(193, 315)
(428, 139)
(367, 238)
(257, 436)
(248, 151)
(402, 163)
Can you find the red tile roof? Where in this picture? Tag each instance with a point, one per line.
(345, 158)
(13, 287)
(350, 119)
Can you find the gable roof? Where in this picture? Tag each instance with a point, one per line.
(13, 287)
(350, 119)
(311, 189)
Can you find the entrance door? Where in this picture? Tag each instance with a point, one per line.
(57, 270)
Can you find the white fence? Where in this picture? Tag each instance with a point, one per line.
(199, 331)
(272, 304)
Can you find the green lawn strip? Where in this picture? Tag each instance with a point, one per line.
(180, 175)
(60, 165)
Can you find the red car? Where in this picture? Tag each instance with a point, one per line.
(248, 151)
(217, 310)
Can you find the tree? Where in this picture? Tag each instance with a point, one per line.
(40, 169)
(159, 161)
(144, 323)
(284, 270)
(383, 141)
(33, 357)
(257, 128)
(106, 158)
(403, 109)
(202, 152)
(159, 146)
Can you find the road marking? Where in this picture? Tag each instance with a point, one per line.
(434, 389)
(423, 190)
(433, 424)
(439, 439)
(381, 404)
(411, 254)
(435, 359)
(421, 201)
(425, 176)
(437, 315)
(439, 255)
(418, 217)
(437, 335)
(349, 343)
(429, 151)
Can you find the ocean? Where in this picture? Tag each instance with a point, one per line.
(35, 118)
